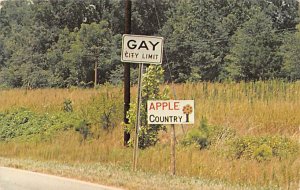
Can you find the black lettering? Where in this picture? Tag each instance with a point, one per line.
(180, 117)
(166, 119)
(153, 45)
(151, 116)
(157, 119)
(131, 45)
(175, 118)
(126, 54)
(143, 45)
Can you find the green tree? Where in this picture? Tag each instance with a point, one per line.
(42, 43)
(2, 52)
(61, 14)
(283, 13)
(197, 35)
(24, 45)
(23, 64)
(93, 43)
(254, 50)
(63, 73)
(291, 55)
(149, 16)
(73, 57)
(175, 31)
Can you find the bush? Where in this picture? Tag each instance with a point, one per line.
(263, 148)
(25, 124)
(262, 153)
(84, 129)
(206, 135)
(148, 134)
(105, 109)
(68, 107)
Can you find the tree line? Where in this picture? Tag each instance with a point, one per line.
(56, 43)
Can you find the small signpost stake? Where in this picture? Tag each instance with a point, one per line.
(138, 119)
(173, 150)
(96, 74)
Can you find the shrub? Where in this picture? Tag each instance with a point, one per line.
(68, 105)
(84, 129)
(263, 148)
(105, 109)
(206, 135)
(108, 111)
(262, 153)
(25, 124)
(148, 134)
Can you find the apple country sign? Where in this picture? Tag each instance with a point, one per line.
(170, 111)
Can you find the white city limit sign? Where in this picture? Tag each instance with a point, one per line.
(142, 49)
(170, 111)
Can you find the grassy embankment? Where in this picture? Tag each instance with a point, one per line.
(251, 113)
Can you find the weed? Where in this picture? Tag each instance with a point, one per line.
(263, 148)
(263, 114)
(68, 105)
(206, 135)
(148, 134)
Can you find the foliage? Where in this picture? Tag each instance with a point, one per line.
(254, 52)
(197, 37)
(104, 111)
(206, 135)
(24, 124)
(251, 109)
(148, 134)
(91, 44)
(153, 12)
(57, 43)
(291, 53)
(68, 105)
(84, 129)
(284, 14)
(263, 148)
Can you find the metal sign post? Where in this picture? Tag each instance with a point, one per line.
(138, 119)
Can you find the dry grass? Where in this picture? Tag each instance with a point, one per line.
(270, 108)
(50, 100)
(115, 176)
(261, 108)
(190, 161)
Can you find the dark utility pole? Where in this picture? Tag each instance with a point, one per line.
(127, 70)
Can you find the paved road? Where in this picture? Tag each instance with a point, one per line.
(15, 179)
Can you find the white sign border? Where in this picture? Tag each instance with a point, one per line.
(170, 123)
(145, 62)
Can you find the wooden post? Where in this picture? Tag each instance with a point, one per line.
(138, 119)
(127, 72)
(96, 73)
(173, 150)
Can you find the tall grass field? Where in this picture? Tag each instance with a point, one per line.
(244, 133)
